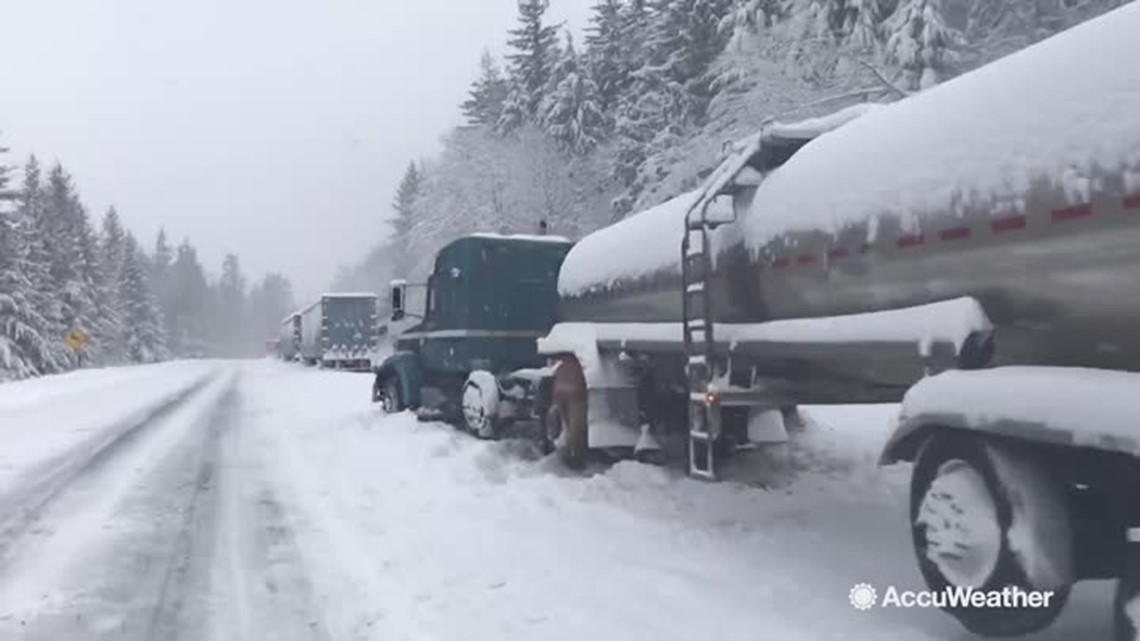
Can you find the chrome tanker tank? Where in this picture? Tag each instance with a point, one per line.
(1017, 184)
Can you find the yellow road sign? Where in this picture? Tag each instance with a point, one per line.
(76, 339)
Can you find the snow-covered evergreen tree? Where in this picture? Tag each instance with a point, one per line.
(43, 296)
(231, 312)
(143, 335)
(24, 351)
(484, 105)
(921, 43)
(403, 222)
(112, 245)
(609, 66)
(189, 313)
(534, 47)
(571, 112)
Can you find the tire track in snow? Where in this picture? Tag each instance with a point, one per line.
(82, 565)
(199, 547)
(22, 508)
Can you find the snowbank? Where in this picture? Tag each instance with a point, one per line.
(1087, 407)
(1057, 111)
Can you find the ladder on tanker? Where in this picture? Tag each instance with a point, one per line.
(697, 326)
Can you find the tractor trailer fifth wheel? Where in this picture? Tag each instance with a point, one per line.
(986, 515)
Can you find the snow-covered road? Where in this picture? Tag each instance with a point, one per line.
(234, 501)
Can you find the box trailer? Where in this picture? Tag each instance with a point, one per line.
(340, 331)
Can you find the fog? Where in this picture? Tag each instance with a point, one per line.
(274, 129)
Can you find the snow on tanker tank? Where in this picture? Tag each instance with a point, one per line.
(972, 251)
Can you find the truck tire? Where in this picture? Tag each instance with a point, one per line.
(480, 404)
(1126, 606)
(962, 512)
(386, 391)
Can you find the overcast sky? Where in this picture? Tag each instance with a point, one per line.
(274, 129)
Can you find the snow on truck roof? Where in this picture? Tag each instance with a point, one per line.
(1055, 111)
(525, 237)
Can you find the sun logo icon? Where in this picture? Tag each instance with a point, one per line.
(863, 596)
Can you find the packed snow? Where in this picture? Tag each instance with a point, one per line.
(47, 422)
(1075, 405)
(284, 505)
(971, 140)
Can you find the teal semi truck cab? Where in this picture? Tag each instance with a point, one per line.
(472, 359)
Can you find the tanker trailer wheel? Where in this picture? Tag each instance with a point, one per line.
(1126, 608)
(480, 404)
(988, 516)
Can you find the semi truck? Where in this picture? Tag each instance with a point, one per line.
(473, 357)
(971, 252)
(340, 331)
(289, 340)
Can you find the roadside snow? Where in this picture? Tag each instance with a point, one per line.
(1062, 110)
(1085, 406)
(416, 531)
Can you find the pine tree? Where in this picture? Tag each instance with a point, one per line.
(189, 313)
(24, 351)
(43, 295)
(269, 302)
(572, 113)
(231, 318)
(142, 328)
(404, 221)
(534, 46)
(608, 64)
(921, 43)
(484, 105)
(112, 245)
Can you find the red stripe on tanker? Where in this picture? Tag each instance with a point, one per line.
(1071, 213)
(1009, 223)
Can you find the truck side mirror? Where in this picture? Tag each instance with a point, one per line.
(397, 300)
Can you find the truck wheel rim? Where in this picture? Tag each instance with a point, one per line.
(390, 399)
(963, 536)
(473, 409)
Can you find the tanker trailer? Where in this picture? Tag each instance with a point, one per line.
(972, 251)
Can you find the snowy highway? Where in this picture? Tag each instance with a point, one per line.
(258, 500)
